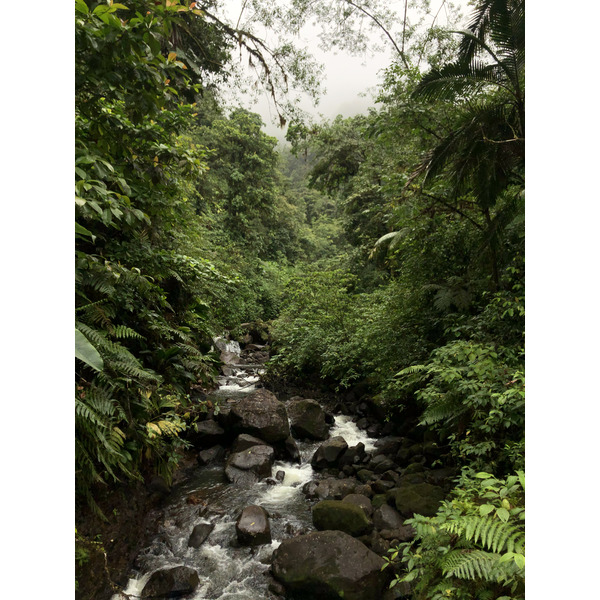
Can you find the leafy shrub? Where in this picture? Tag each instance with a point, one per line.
(474, 547)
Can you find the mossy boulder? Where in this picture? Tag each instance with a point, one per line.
(341, 516)
(329, 565)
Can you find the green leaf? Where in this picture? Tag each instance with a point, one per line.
(521, 475)
(86, 351)
(482, 475)
(82, 7)
(486, 509)
(503, 514)
(520, 561)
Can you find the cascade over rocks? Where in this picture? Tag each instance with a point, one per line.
(260, 414)
(307, 420)
(329, 565)
(171, 583)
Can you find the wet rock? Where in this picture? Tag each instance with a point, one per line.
(342, 516)
(365, 475)
(260, 414)
(291, 450)
(334, 489)
(211, 455)
(329, 418)
(381, 464)
(253, 527)
(374, 430)
(251, 465)
(329, 564)
(169, 583)
(404, 533)
(229, 358)
(276, 588)
(328, 453)
(245, 441)
(199, 534)
(280, 475)
(352, 455)
(381, 486)
(360, 500)
(421, 498)
(386, 517)
(307, 420)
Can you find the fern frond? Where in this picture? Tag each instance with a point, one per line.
(471, 564)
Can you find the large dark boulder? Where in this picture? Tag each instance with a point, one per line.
(420, 498)
(199, 534)
(307, 420)
(251, 465)
(253, 527)
(328, 453)
(171, 583)
(342, 516)
(260, 414)
(328, 565)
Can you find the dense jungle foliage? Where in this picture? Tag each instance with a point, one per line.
(385, 251)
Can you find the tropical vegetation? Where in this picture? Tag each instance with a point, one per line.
(385, 250)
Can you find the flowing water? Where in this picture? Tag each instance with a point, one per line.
(228, 571)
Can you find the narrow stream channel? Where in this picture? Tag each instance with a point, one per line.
(228, 571)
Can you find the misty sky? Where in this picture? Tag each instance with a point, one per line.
(349, 81)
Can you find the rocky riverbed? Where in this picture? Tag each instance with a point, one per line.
(289, 498)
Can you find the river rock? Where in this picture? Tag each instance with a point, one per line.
(328, 453)
(260, 414)
(291, 450)
(334, 489)
(360, 500)
(251, 465)
(342, 516)
(169, 583)
(245, 441)
(307, 420)
(386, 517)
(253, 527)
(210, 455)
(421, 498)
(352, 455)
(199, 534)
(329, 564)
(381, 464)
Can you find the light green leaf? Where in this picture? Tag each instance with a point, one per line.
(86, 351)
(503, 514)
(486, 509)
(482, 475)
